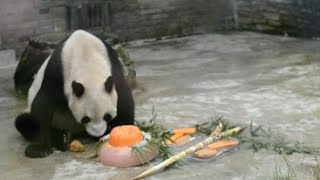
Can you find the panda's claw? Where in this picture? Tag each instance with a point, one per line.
(64, 144)
(38, 151)
(61, 139)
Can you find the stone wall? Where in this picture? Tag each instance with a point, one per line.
(154, 18)
(20, 19)
(129, 19)
(291, 17)
(133, 19)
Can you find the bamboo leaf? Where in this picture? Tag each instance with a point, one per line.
(217, 134)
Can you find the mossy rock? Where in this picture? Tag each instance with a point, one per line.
(40, 47)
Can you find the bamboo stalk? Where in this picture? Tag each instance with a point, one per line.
(217, 134)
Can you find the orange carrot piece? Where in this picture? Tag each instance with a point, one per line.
(185, 130)
(183, 139)
(174, 138)
(223, 144)
(205, 153)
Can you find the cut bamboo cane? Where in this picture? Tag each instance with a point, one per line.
(217, 134)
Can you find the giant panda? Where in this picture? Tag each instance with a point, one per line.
(79, 87)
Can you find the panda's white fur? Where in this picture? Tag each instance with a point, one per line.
(84, 61)
(35, 87)
(80, 86)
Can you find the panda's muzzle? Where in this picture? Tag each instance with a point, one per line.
(96, 129)
(85, 120)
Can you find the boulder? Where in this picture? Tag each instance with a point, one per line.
(41, 46)
(128, 65)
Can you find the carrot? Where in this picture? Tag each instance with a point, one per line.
(183, 139)
(174, 138)
(205, 153)
(223, 144)
(185, 130)
(125, 136)
(217, 134)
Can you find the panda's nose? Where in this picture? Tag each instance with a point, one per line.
(85, 120)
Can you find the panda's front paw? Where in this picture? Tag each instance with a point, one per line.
(63, 142)
(61, 139)
(38, 151)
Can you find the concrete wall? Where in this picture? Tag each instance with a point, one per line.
(129, 19)
(292, 17)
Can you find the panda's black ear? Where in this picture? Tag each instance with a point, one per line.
(77, 88)
(109, 84)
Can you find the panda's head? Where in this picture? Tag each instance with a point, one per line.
(94, 104)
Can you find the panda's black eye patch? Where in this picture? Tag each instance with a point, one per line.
(109, 84)
(107, 117)
(77, 88)
(85, 120)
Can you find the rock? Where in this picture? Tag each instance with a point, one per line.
(40, 47)
(127, 64)
(31, 59)
(7, 57)
(0, 42)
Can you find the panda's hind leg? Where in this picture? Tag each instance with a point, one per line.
(37, 150)
(28, 127)
(30, 130)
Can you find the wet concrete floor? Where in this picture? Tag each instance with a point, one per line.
(270, 80)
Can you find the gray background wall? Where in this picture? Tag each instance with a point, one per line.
(20, 19)
(291, 17)
(154, 18)
(132, 19)
(129, 19)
